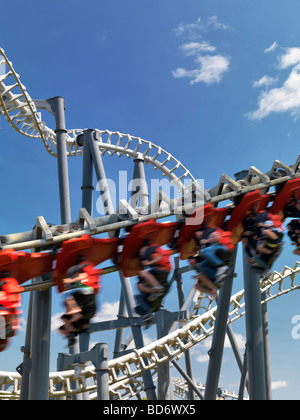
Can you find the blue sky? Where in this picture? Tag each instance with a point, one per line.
(215, 83)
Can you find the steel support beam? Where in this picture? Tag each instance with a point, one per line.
(87, 175)
(216, 352)
(139, 184)
(57, 105)
(256, 355)
(266, 347)
(92, 137)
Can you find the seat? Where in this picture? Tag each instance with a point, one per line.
(92, 251)
(208, 215)
(252, 200)
(291, 189)
(157, 233)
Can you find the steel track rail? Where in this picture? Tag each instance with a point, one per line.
(127, 370)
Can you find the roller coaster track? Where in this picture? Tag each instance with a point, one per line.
(181, 390)
(125, 371)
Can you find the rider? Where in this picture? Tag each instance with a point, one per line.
(153, 279)
(153, 283)
(209, 264)
(268, 244)
(294, 234)
(79, 300)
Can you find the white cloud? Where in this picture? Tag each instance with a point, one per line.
(203, 358)
(279, 100)
(210, 69)
(272, 48)
(108, 310)
(265, 81)
(286, 97)
(194, 48)
(279, 384)
(290, 58)
(240, 340)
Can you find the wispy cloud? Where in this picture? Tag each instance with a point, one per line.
(209, 67)
(194, 30)
(284, 98)
(265, 81)
(279, 384)
(272, 48)
(290, 58)
(194, 48)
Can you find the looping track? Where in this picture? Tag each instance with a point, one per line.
(125, 372)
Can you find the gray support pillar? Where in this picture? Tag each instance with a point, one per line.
(254, 331)
(58, 108)
(216, 352)
(243, 376)
(36, 369)
(101, 365)
(26, 366)
(139, 184)
(40, 344)
(87, 175)
(267, 347)
(187, 354)
(92, 137)
(149, 387)
(164, 373)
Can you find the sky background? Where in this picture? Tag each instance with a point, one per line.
(217, 84)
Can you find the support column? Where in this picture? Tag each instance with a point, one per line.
(164, 373)
(254, 330)
(40, 344)
(139, 184)
(58, 109)
(101, 365)
(216, 352)
(87, 175)
(267, 347)
(92, 137)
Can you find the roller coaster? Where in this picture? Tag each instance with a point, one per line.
(87, 373)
